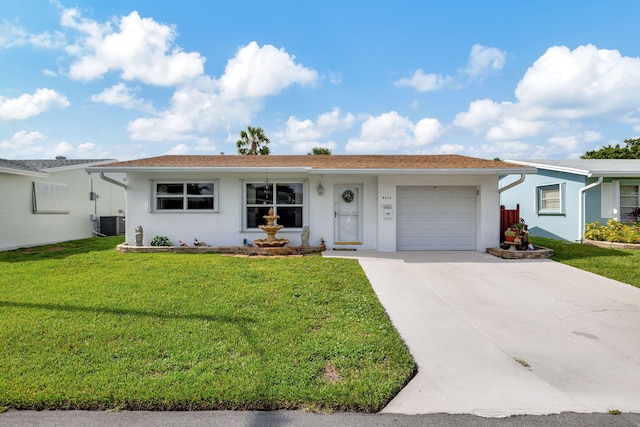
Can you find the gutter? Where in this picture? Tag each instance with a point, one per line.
(112, 181)
(581, 207)
(513, 184)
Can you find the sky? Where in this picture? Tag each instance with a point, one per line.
(128, 79)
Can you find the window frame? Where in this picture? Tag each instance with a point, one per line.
(538, 198)
(184, 195)
(274, 202)
(623, 216)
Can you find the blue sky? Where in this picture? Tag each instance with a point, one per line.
(131, 79)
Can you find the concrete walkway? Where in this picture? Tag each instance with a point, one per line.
(496, 337)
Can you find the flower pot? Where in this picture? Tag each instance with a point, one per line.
(510, 238)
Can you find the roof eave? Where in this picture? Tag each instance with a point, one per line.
(615, 174)
(324, 171)
(431, 171)
(23, 172)
(551, 167)
(76, 166)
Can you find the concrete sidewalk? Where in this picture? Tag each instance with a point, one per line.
(497, 337)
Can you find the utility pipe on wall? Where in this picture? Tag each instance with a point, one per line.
(581, 207)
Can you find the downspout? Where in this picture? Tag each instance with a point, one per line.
(581, 207)
(112, 181)
(513, 184)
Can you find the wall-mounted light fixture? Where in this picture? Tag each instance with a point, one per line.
(320, 189)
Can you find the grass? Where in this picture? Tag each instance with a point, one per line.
(617, 264)
(86, 327)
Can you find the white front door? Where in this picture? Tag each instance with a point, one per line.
(347, 221)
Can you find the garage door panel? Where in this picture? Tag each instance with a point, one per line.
(436, 218)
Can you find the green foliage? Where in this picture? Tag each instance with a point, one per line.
(86, 327)
(614, 231)
(161, 241)
(631, 150)
(319, 151)
(253, 141)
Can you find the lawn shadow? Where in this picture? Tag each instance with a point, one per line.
(61, 250)
(128, 312)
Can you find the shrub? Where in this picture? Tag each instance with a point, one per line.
(161, 241)
(614, 231)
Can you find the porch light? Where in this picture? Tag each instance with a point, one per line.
(320, 189)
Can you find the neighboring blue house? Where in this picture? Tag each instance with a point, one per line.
(565, 195)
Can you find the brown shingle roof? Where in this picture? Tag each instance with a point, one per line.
(322, 162)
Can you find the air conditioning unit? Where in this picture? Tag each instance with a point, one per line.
(112, 225)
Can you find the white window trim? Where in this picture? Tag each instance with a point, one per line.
(153, 198)
(619, 199)
(536, 199)
(305, 202)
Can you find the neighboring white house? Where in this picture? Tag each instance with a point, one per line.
(50, 201)
(565, 195)
(383, 202)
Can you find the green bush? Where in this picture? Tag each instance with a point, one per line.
(161, 241)
(614, 231)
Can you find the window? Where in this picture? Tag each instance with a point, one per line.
(629, 200)
(185, 196)
(286, 199)
(550, 199)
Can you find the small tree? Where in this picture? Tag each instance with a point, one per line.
(317, 151)
(253, 141)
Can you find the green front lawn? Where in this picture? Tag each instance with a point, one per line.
(85, 327)
(617, 264)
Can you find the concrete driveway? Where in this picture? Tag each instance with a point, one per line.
(498, 337)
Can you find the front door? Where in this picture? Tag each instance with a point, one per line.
(347, 221)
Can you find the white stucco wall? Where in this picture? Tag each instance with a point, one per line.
(224, 228)
(20, 227)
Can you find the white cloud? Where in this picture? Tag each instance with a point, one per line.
(505, 149)
(178, 149)
(86, 150)
(207, 104)
(392, 132)
(303, 135)
(22, 144)
(480, 115)
(484, 59)
(481, 61)
(121, 95)
(257, 72)
(425, 82)
(580, 83)
(141, 49)
(30, 105)
(562, 87)
(16, 36)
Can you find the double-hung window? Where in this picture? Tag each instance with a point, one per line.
(550, 199)
(185, 196)
(286, 198)
(629, 201)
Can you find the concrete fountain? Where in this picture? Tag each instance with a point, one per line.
(271, 228)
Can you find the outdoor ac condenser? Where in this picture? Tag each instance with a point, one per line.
(112, 225)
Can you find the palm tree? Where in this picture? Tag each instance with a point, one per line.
(253, 141)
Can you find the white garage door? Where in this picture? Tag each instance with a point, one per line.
(436, 218)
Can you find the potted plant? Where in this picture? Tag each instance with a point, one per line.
(510, 235)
